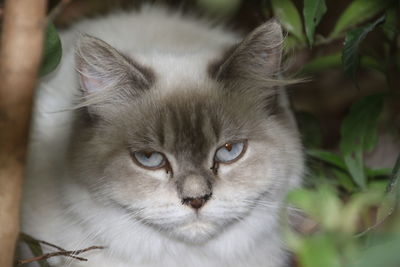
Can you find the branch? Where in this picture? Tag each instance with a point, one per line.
(32, 242)
(62, 252)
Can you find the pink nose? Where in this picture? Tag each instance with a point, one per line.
(196, 203)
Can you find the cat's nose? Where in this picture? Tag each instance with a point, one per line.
(196, 203)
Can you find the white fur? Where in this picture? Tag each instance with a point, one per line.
(61, 212)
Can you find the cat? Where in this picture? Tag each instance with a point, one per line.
(179, 150)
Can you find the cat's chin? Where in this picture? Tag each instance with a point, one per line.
(195, 232)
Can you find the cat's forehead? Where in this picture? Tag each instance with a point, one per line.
(188, 125)
(181, 73)
(191, 121)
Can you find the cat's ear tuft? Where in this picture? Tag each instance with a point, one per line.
(258, 55)
(102, 67)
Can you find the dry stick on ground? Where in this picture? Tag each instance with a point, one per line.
(62, 252)
(20, 56)
(31, 241)
(60, 249)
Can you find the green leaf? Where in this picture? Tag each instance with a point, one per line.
(377, 172)
(287, 14)
(328, 157)
(383, 252)
(344, 179)
(372, 63)
(359, 134)
(396, 174)
(350, 55)
(391, 203)
(35, 248)
(316, 174)
(290, 43)
(322, 63)
(394, 186)
(319, 250)
(322, 204)
(390, 25)
(313, 11)
(358, 11)
(359, 128)
(355, 166)
(356, 206)
(52, 51)
(334, 60)
(304, 199)
(32, 243)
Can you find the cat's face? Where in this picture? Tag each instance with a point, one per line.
(190, 162)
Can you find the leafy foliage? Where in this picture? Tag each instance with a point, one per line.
(288, 15)
(359, 134)
(358, 11)
(357, 220)
(313, 12)
(350, 56)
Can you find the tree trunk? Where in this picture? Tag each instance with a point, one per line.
(20, 56)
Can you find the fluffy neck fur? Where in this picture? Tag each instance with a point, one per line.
(68, 203)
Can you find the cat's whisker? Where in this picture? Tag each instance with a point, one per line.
(91, 236)
(90, 239)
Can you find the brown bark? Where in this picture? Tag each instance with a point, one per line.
(21, 50)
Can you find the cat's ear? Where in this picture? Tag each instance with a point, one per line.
(102, 67)
(257, 56)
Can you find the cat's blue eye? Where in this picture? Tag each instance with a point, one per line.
(151, 160)
(230, 152)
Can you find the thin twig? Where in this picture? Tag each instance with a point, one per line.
(60, 253)
(51, 245)
(61, 249)
(30, 240)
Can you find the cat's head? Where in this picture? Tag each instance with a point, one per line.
(193, 156)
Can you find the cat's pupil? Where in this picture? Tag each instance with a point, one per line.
(148, 154)
(228, 146)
